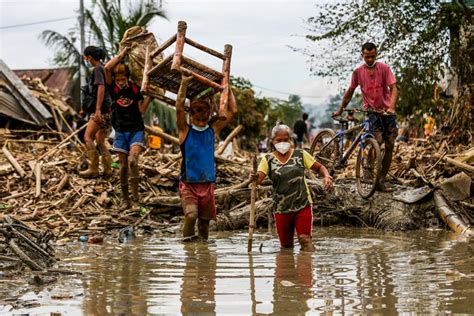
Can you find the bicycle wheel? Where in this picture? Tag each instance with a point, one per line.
(324, 150)
(368, 167)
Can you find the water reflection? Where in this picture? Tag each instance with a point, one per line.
(353, 271)
(117, 283)
(293, 283)
(199, 280)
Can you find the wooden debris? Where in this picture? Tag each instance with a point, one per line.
(13, 162)
(229, 138)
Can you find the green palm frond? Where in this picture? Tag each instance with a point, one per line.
(106, 22)
(95, 28)
(66, 52)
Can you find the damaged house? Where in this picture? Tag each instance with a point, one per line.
(28, 102)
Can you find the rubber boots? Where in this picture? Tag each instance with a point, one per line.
(306, 243)
(126, 203)
(134, 180)
(106, 162)
(93, 161)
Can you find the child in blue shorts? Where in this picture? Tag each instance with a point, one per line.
(128, 105)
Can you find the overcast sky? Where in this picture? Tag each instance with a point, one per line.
(259, 31)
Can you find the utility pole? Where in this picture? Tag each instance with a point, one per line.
(82, 70)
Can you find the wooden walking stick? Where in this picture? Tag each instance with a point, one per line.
(253, 196)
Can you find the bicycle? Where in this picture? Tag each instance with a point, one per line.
(327, 147)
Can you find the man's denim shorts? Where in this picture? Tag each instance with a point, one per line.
(387, 125)
(125, 140)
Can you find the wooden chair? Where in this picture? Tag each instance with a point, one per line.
(167, 73)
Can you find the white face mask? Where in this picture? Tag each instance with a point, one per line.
(200, 129)
(282, 147)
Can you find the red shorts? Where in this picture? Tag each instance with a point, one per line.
(286, 224)
(200, 197)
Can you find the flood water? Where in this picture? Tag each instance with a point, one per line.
(354, 270)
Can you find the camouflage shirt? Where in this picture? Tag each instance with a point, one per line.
(290, 191)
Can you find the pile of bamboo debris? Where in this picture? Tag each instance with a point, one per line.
(424, 160)
(39, 184)
(62, 112)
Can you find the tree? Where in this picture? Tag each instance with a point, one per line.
(106, 23)
(333, 104)
(109, 19)
(284, 111)
(419, 39)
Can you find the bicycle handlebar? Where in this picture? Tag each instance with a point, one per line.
(361, 110)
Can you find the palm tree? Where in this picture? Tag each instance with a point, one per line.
(106, 24)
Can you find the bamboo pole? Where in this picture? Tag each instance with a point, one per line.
(15, 195)
(52, 150)
(146, 77)
(453, 220)
(168, 137)
(38, 179)
(459, 164)
(13, 162)
(253, 196)
(64, 181)
(229, 138)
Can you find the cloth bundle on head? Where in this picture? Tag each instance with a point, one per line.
(137, 39)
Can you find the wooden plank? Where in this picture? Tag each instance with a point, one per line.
(225, 81)
(203, 68)
(166, 99)
(178, 53)
(164, 46)
(205, 49)
(202, 79)
(160, 66)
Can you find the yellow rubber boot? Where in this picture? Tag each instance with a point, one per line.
(93, 161)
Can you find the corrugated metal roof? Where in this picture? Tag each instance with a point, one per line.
(59, 79)
(27, 106)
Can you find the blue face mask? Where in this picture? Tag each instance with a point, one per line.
(200, 129)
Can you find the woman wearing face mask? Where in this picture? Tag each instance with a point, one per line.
(99, 114)
(128, 106)
(292, 199)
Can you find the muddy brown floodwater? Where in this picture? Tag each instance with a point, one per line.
(353, 271)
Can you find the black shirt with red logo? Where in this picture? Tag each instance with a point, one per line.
(126, 116)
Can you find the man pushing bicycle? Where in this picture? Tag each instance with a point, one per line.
(379, 94)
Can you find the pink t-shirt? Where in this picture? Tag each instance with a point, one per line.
(374, 86)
